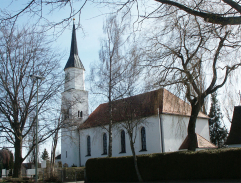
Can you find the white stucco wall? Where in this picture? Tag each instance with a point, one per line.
(77, 101)
(74, 78)
(74, 101)
(202, 128)
(70, 148)
(174, 132)
(151, 125)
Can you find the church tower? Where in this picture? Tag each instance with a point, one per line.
(74, 106)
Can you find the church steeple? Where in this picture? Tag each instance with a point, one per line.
(74, 106)
(74, 60)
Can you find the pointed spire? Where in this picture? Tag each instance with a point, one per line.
(74, 60)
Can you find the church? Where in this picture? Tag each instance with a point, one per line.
(159, 121)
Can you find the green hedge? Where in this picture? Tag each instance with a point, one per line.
(210, 164)
(110, 169)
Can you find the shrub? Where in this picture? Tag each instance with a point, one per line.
(60, 164)
(73, 174)
(53, 178)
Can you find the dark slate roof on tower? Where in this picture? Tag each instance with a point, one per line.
(74, 60)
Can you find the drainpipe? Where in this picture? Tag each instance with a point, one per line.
(79, 149)
(161, 131)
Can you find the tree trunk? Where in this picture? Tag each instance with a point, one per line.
(55, 142)
(52, 162)
(192, 138)
(18, 157)
(110, 139)
(135, 159)
(110, 130)
(110, 108)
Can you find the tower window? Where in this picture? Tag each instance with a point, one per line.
(66, 114)
(80, 114)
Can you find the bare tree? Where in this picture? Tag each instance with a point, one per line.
(40, 10)
(231, 96)
(225, 12)
(67, 123)
(30, 139)
(217, 12)
(184, 51)
(54, 145)
(130, 110)
(107, 76)
(24, 52)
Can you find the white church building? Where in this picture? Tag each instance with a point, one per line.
(160, 121)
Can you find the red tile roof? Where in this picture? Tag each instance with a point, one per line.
(139, 106)
(235, 130)
(202, 143)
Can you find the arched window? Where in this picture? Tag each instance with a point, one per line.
(104, 143)
(123, 142)
(88, 146)
(80, 114)
(143, 139)
(66, 114)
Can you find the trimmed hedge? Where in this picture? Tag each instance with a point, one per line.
(208, 164)
(111, 169)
